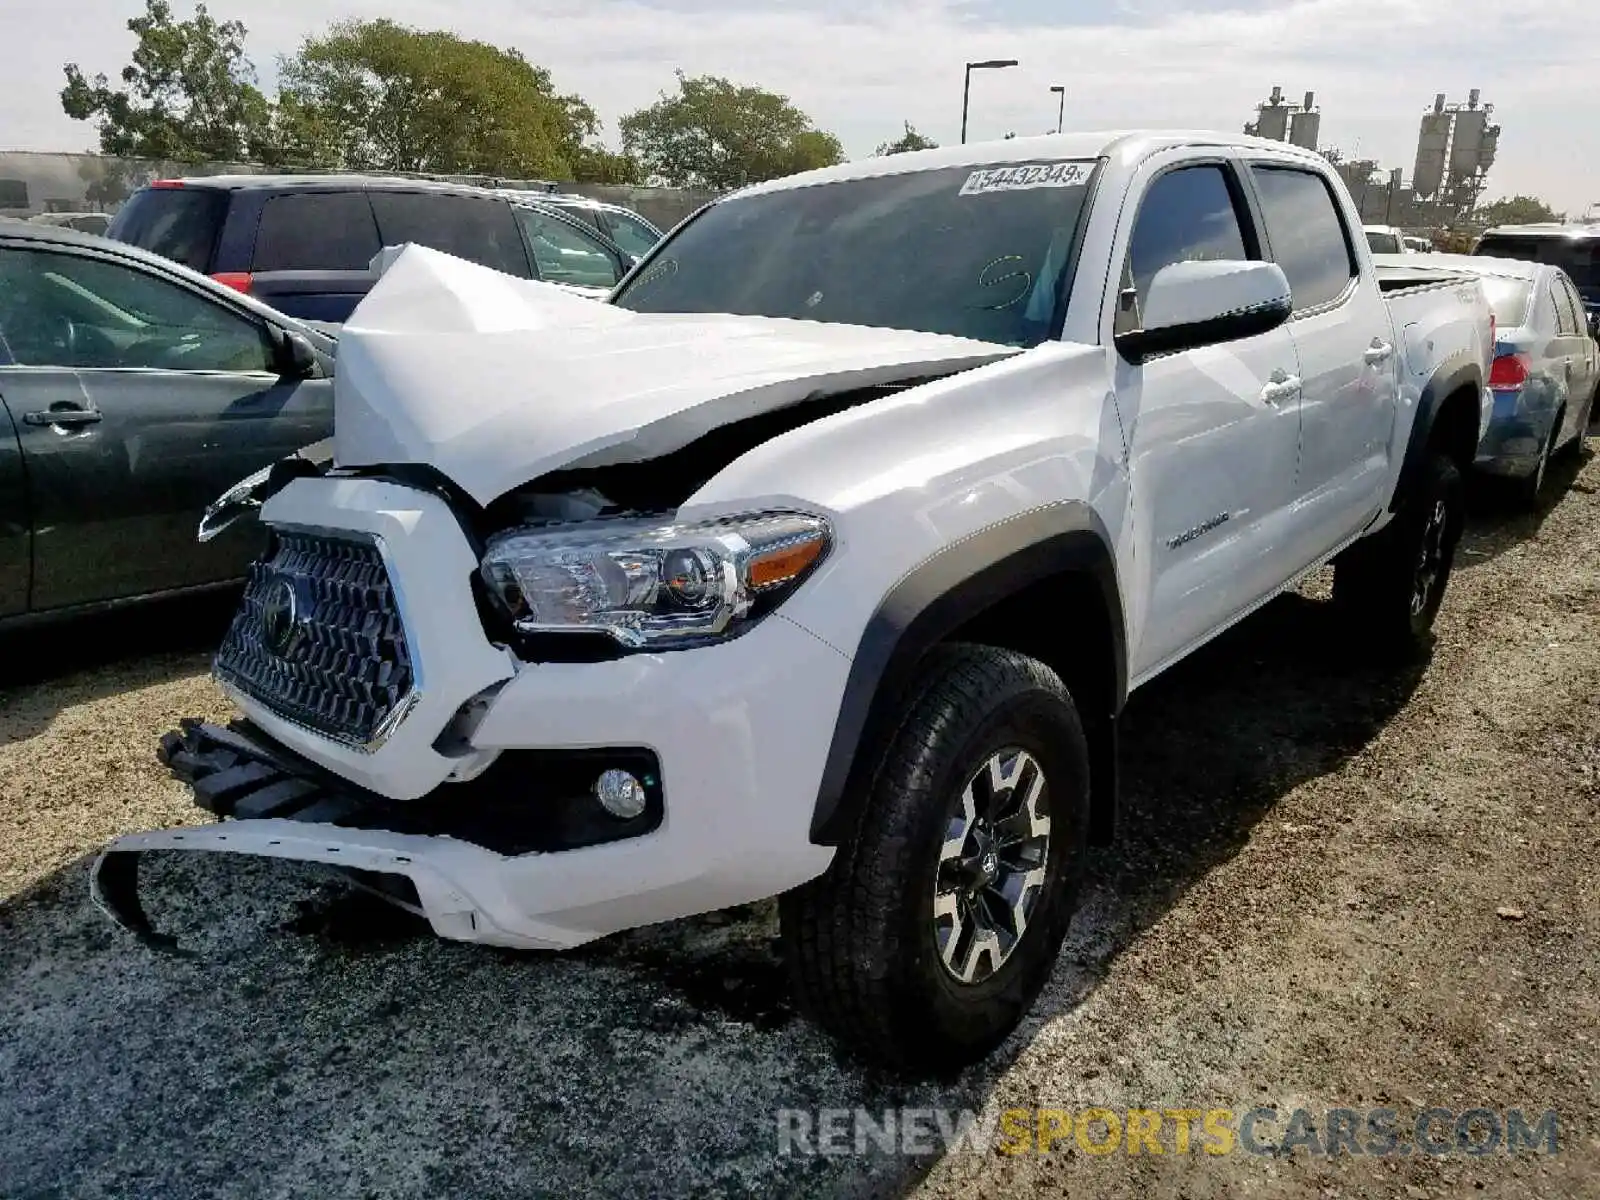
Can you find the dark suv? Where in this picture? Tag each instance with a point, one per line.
(304, 244)
(1573, 248)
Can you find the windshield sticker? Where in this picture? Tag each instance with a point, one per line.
(1024, 176)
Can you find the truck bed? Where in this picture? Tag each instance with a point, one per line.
(1395, 280)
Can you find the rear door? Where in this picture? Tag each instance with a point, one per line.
(1585, 375)
(138, 398)
(313, 253)
(1344, 339)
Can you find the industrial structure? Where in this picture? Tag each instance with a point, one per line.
(1456, 146)
(1297, 124)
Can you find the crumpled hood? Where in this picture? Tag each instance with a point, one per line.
(495, 380)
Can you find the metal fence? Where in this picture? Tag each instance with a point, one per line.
(38, 182)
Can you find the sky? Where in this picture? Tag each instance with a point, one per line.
(860, 68)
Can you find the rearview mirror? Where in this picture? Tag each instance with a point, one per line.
(1191, 304)
(296, 358)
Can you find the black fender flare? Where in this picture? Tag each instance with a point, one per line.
(937, 597)
(1456, 373)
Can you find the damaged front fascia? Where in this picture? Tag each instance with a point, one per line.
(664, 483)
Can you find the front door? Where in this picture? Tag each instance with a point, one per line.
(1212, 433)
(137, 401)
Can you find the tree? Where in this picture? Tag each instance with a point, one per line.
(1516, 210)
(191, 93)
(377, 95)
(717, 134)
(909, 140)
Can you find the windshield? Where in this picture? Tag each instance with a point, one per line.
(1576, 256)
(975, 252)
(1508, 299)
(1384, 243)
(174, 222)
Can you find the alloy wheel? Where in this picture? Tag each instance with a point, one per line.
(992, 865)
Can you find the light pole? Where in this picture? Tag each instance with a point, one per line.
(966, 90)
(1061, 113)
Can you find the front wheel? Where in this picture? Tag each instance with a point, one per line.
(936, 926)
(1391, 585)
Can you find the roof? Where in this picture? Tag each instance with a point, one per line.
(1476, 264)
(1567, 229)
(329, 182)
(1132, 145)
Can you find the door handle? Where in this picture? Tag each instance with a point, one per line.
(63, 418)
(1283, 387)
(1378, 352)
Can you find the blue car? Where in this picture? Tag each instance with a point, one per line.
(1546, 366)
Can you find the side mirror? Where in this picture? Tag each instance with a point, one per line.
(1594, 323)
(296, 358)
(1191, 304)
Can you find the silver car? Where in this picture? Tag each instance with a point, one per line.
(1546, 365)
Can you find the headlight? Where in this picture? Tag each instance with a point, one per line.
(648, 584)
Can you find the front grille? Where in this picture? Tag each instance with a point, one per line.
(318, 637)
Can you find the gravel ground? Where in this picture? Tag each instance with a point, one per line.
(1336, 886)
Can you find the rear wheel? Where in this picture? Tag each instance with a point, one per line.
(936, 926)
(1391, 585)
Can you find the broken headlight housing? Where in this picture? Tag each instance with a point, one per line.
(648, 584)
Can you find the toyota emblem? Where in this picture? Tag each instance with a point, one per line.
(280, 617)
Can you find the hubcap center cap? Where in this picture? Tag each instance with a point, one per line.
(990, 866)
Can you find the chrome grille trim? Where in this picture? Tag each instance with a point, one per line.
(346, 673)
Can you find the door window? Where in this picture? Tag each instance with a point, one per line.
(1308, 236)
(564, 254)
(1566, 319)
(69, 310)
(316, 231)
(479, 229)
(632, 234)
(1187, 215)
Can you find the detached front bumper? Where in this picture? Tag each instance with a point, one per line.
(481, 799)
(443, 857)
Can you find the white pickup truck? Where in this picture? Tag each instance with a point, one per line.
(819, 561)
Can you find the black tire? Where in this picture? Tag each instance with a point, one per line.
(864, 954)
(1530, 488)
(1390, 586)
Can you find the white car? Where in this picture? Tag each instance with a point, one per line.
(1386, 239)
(604, 614)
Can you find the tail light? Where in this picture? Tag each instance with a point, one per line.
(239, 281)
(1510, 371)
(166, 183)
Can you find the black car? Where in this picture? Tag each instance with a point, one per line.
(1573, 248)
(133, 392)
(304, 244)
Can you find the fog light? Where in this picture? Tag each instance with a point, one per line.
(620, 794)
